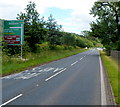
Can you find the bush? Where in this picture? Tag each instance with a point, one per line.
(44, 46)
(80, 43)
(69, 40)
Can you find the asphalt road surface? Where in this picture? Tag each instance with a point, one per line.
(74, 80)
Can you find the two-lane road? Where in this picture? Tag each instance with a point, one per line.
(73, 80)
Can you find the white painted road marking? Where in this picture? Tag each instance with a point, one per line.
(74, 63)
(84, 56)
(103, 93)
(11, 100)
(55, 74)
(81, 58)
(57, 69)
(36, 68)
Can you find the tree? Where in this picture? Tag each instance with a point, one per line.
(54, 29)
(69, 39)
(106, 26)
(81, 42)
(34, 27)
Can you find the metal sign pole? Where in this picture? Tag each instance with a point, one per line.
(21, 52)
(21, 41)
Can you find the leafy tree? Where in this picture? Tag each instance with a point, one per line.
(80, 42)
(54, 29)
(106, 26)
(34, 27)
(69, 39)
(91, 37)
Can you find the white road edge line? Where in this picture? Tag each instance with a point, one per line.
(74, 63)
(55, 74)
(11, 100)
(103, 92)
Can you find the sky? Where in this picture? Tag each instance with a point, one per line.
(73, 15)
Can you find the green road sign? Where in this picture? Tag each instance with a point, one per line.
(13, 32)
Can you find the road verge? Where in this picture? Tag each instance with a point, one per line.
(110, 77)
(15, 66)
(103, 91)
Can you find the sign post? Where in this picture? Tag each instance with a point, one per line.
(13, 32)
(21, 52)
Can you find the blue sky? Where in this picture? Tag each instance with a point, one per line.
(73, 15)
(58, 13)
(61, 16)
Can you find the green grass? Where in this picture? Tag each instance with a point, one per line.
(111, 67)
(12, 65)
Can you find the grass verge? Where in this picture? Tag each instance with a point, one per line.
(111, 68)
(12, 65)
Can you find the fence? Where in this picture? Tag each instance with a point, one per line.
(115, 54)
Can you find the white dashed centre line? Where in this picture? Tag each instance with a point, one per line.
(74, 63)
(11, 100)
(55, 74)
(81, 58)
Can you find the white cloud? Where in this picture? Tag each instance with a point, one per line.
(79, 19)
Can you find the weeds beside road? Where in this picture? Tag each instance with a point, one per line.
(111, 68)
(12, 65)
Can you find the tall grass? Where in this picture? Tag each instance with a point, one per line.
(13, 64)
(112, 70)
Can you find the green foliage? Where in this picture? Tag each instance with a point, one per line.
(81, 43)
(40, 35)
(53, 31)
(68, 39)
(14, 64)
(44, 46)
(112, 69)
(34, 27)
(107, 26)
(9, 49)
